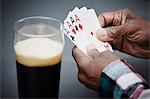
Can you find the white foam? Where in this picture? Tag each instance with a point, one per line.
(38, 52)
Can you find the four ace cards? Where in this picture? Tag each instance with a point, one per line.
(81, 26)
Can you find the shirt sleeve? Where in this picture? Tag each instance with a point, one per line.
(120, 80)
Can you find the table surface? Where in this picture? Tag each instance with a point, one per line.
(12, 10)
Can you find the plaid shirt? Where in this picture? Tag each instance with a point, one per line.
(108, 86)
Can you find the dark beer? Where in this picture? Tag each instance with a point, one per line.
(38, 82)
(38, 72)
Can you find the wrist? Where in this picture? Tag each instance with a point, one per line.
(116, 69)
(119, 80)
(108, 78)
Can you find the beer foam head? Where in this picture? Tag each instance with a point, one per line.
(38, 52)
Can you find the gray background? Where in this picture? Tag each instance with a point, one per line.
(12, 10)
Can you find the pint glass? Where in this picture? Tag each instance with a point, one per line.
(38, 46)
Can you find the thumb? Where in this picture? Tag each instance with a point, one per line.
(92, 51)
(113, 32)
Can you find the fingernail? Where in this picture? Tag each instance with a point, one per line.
(102, 33)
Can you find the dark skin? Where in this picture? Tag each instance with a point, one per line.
(90, 68)
(126, 31)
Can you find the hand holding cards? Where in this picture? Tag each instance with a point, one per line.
(81, 26)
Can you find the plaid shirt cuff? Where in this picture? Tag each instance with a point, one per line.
(111, 85)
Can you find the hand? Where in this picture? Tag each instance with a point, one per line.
(90, 68)
(126, 31)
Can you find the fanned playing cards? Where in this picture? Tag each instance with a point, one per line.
(81, 26)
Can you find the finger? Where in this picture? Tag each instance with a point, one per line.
(114, 18)
(102, 20)
(106, 18)
(123, 30)
(111, 18)
(114, 35)
(84, 80)
(87, 82)
(81, 59)
(103, 35)
(92, 51)
(115, 32)
(81, 77)
(131, 14)
(110, 33)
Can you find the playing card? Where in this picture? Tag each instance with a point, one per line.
(94, 21)
(67, 30)
(81, 26)
(92, 24)
(72, 24)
